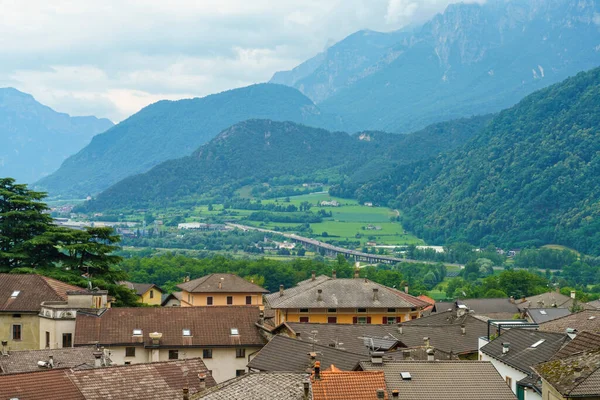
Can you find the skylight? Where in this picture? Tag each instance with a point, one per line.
(543, 312)
(187, 332)
(592, 317)
(536, 344)
(15, 293)
(137, 332)
(235, 331)
(405, 376)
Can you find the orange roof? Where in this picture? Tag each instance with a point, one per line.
(348, 385)
(426, 299)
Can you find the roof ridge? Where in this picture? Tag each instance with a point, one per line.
(200, 281)
(320, 345)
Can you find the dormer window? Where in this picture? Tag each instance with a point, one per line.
(187, 332)
(15, 293)
(137, 332)
(235, 331)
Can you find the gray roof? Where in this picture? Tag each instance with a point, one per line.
(548, 299)
(575, 376)
(26, 360)
(540, 315)
(230, 283)
(521, 355)
(446, 337)
(587, 320)
(501, 308)
(594, 304)
(284, 354)
(443, 380)
(584, 341)
(259, 386)
(418, 354)
(343, 293)
(140, 288)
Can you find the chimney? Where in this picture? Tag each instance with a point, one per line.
(313, 275)
(430, 354)
(202, 383)
(97, 359)
(220, 285)
(51, 361)
(505, 347)
(4, 350)
(155, 336)
(512, 300)
(333, 274)
(557, 289)
(319, 295)
(380, 394)
(186, 278)
(377, 357)
(306, 385)
(298, 335)
(463, 329)
(356, 273)
(400, 328)
(426, 340)
(395, 393)
(186, 393)
(375, 294)
(573, 294)
(318, 370)
(406, 288)
(280, 290)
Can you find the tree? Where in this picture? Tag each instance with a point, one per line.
(91, 250)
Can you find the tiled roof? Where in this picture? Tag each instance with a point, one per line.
(209, 326)
(230, 283)
(343, 293)
(426, 299)
(348, 385)
(157, 380)
(418, 353)
(584, 341)
(587, 320)
(447, 337)
(548, 299)
(26, 360)
(43, 385)
(541, 315)
(521, 355)
(33, 290)
(443, 380)
(259, 386)
(500, 308)
(575, 376)
(140, 288)
(292, 355)
(594, 304)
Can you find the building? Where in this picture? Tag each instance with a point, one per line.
(574, 377)
(164, 380)
(515, 351)
(21, 298)
(224, 337)
(440, 380)
(541, 315)
(591, 305)
(264, 385)
(148, 293)
(221, 290)
(500, 308)
(334, 384)
(587, 320)
(547, 300)
(29, 360)
(343, 301)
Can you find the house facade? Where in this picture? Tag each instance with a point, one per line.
(221, 290)
(148, 293)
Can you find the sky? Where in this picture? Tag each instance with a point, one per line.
(111, 58)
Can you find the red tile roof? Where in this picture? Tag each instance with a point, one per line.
(33, 290)
(348, 385)
(209, 326)
(43, 385)
(426, 299)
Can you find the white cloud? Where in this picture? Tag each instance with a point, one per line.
(110, 58)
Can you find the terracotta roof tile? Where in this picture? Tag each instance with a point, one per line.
(348, 385)
(44, 385)
(210, 326)
(33, 290)
(230, 283)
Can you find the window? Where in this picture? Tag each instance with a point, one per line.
(304, 310)
(67, 340)
(189, 298)
(187, 332)
(209, 301)
(240, 353)
(16, 332)
(332, 310)
(361, 310)
(137, 332)
(229, 300)
(390, 320)
(362, 320)
(129, 351)
(16, 315)
(509, 381)
(127, 363)
(332, 320)
(15, 293)
(304, 319)
(173, 354)
(235, 331)
(207, 353)
(152, 294)
(47, 339)
(391, 310)
(240, 372)
(248, 299)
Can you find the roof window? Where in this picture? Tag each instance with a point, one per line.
(187, 332)
(15, 293)
(235, 331)
(137, 332)
(536, 344)
(543, 312)
(405, 376)
(592, 317)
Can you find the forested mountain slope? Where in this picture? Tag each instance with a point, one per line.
(531, 177)
(471, 59)
(35, 139)
(173, 129)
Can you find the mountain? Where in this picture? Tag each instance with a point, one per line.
(529, 178)
(173, 129)
(257, 150)
(36, 139)
(472, 59)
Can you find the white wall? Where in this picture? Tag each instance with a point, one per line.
(56, 327)
(504, 370)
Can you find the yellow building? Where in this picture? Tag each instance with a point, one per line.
(148, 293)
(21, 296)
(343, 301)
(221, 290)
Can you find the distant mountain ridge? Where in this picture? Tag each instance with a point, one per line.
(172, 129)
(472, 59)
(36, 139)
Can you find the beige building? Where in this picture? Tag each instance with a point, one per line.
(224, 337)
(221, 290)
(148, 293)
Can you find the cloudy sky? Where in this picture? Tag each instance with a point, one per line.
(110, 58)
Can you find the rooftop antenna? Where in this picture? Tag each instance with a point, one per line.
(314, 335)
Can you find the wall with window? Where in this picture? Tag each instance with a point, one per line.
(25, 326)
(152, 297)
(506, 371)
(221, 299)
(346, 316)
(58, 330)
